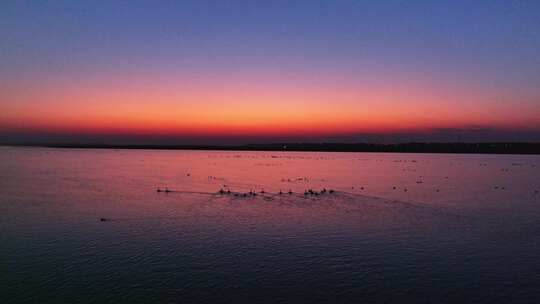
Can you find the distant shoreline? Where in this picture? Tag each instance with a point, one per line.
(458, 148)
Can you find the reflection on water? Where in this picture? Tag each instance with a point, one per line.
(419, 227)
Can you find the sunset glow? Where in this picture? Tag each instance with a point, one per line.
(220, 79)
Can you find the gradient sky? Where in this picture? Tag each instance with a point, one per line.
(258, 71)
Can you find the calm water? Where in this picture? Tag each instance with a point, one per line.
(455, 228)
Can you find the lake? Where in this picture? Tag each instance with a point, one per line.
(89, 226)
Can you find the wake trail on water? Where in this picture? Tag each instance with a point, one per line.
(337, 200)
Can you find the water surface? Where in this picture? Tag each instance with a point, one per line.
(399, 227)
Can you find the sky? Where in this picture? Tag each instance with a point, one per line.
(230, 72)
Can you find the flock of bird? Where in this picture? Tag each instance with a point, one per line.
(307, 192)
(310, 192)
(255, 193)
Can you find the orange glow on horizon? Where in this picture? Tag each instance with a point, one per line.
(260, 108)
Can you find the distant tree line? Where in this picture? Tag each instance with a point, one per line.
(478, 148)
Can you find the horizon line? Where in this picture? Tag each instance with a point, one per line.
(531, 148)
